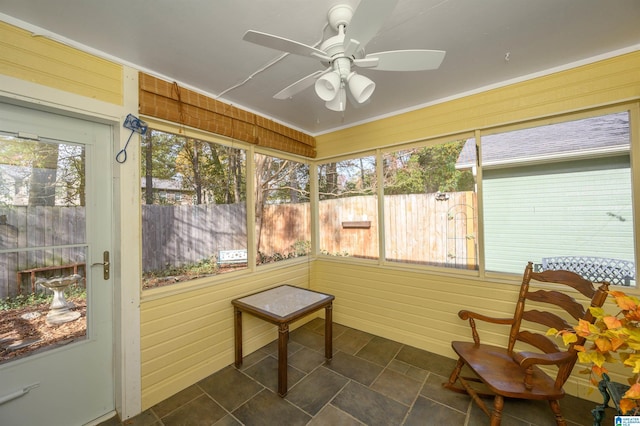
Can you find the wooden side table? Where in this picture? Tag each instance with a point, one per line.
(282, 305)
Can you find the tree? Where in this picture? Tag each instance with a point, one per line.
(426, 170)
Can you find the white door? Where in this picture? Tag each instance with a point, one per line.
(55, 222)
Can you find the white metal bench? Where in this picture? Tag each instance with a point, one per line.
(232, 257)
(596, 269)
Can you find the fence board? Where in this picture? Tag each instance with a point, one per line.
(38, 226)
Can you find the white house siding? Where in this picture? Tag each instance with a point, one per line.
(579, 208)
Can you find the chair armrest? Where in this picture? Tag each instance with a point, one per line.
(472, 316)
(465, 315)
(527, 359)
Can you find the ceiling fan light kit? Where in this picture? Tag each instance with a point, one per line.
(338, 53)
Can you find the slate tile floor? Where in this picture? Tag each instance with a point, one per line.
(370, 381)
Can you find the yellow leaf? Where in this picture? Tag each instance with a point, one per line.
(569, 338)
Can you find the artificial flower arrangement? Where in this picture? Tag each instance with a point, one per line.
(611, 339)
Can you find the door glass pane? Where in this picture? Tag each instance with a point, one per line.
(43, 247)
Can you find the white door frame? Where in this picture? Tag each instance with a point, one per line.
(126, 265)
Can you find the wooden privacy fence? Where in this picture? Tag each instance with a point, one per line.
(436, 229)
(420, 228)
(34, 240)
(179, 235)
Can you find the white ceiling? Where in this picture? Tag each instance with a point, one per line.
(198, 43)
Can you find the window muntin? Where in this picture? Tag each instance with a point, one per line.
(193, 207)
(283, 214)
(430, 205)
(558, 190)
(348, 208)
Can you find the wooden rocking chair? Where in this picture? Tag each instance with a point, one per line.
(507, 373)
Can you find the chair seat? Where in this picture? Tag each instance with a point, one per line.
(502, 375)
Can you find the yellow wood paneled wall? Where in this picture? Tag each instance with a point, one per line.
(601, 83)
(420, 309)
(188, 336)
(43, 61)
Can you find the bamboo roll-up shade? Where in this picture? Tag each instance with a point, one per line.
(168, 101)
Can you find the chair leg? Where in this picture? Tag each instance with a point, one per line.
(496, 414)
(555, 407)
(454, 375)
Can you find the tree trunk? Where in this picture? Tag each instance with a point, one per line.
(42, 184)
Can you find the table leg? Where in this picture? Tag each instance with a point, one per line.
(283, 337)
(328, 331)
(237, 332)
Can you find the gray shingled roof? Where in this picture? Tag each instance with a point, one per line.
(608, 133)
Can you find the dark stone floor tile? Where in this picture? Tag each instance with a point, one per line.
(272, 348)
(228, 420)
(397, 386)
(315, 324)
(253, 357)
(351, 341)
(535, 412)
(308, 338)
(217, 386)
(426, 412)
(426, 360)
(478, 418)
(266, 372)
(202, 411)
(336, 330)
(306, 360)
(332, 416)
(355, 368)
(578, 411)
(316, 390)
(434, 390)
(379, 350)
(368, 406)
(176, 401)
(146, 418)
(268, 409)
(113, 421)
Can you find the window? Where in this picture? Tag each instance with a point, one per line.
(283, 215)
(348, 208)
(560, 190)
(430, 205)
(193, 208)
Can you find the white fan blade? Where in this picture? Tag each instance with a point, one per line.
(366, 62)
(407, 60)
(365, 23)
(299, 85)
(283, 44)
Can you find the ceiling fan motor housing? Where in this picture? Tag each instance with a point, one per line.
(339, 15)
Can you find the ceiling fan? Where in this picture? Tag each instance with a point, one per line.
(340, 53)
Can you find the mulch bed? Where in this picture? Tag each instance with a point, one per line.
(25, 331)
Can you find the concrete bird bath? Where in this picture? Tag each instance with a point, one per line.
(59, 311)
